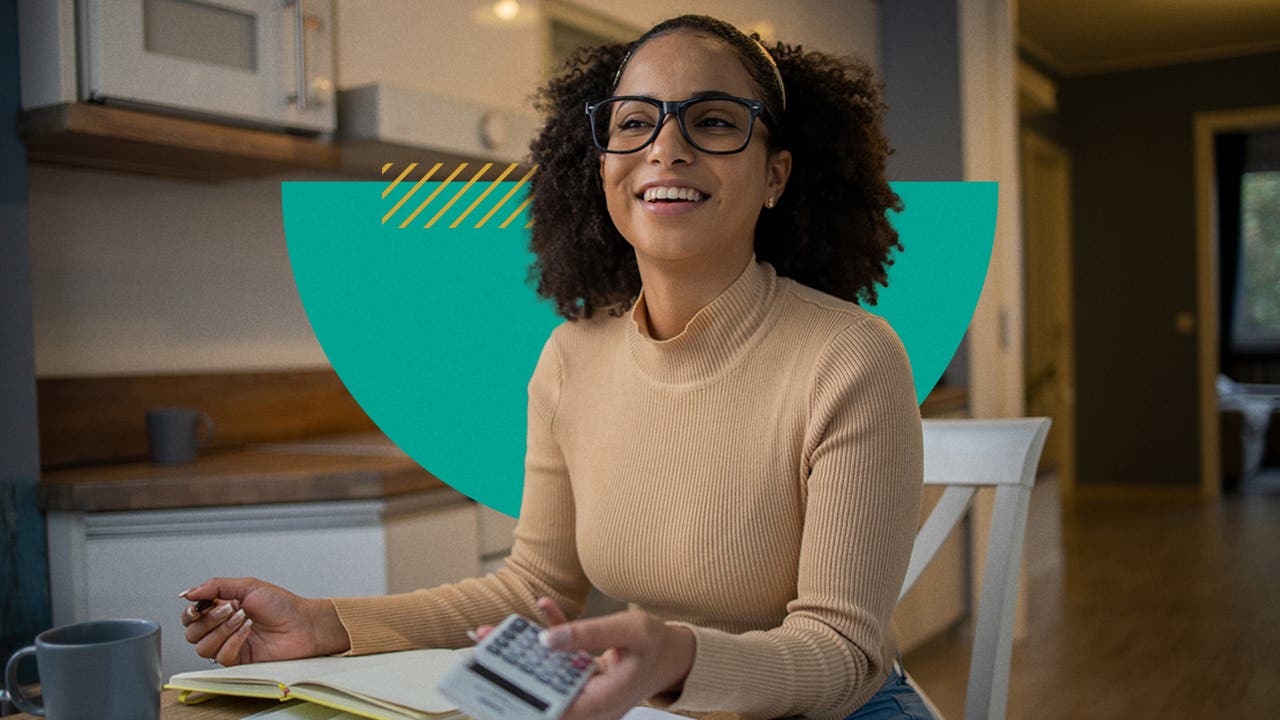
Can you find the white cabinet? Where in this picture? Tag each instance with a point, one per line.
(134, 563)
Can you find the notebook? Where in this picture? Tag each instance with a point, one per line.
(389, 686)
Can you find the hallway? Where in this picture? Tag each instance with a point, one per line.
(1157, 610)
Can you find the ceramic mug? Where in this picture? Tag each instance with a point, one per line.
(173, 434)
(93, 670)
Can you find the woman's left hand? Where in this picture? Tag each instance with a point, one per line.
(642, 657)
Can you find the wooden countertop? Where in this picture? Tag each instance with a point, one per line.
(344, 467)
(339, 468)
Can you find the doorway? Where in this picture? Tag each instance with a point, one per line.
(1049, 359)
(1207, 127)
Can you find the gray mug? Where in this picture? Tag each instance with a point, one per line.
(93, 670)
(173, 434)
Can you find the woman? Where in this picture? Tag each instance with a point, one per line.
(733, 446)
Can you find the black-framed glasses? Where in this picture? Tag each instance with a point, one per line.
(715, 123)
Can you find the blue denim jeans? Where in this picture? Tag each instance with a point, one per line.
(895, 700)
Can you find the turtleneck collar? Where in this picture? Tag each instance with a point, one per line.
(715, 337)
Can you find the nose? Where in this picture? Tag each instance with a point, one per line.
(670, 146)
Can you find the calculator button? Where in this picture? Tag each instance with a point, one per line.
(519, 624)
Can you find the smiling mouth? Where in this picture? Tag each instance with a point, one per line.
(666, 194)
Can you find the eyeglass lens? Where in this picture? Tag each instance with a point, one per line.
(712, 124)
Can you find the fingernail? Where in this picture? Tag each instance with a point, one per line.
(475, 637)
(222, 610)
(554, 638)
(183, 594)
(238, 617)
(248, 623)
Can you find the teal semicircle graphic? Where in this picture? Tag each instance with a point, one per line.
(436, 331)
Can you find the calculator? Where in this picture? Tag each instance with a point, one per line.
(511, 676)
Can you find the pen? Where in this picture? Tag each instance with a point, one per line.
(202, 605)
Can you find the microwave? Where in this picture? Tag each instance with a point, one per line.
(263, 63)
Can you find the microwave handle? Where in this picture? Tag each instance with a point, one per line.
(299, 56)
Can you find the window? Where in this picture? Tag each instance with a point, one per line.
(1257, 302)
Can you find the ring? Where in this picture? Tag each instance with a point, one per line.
(213, 661)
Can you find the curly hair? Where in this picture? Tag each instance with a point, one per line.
(829, 230)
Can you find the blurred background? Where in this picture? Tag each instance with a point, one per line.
(1133, 296)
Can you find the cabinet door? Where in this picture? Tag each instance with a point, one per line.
(134, 564)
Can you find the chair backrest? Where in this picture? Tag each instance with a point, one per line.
(965, 455)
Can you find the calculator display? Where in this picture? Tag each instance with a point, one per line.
(501, 682)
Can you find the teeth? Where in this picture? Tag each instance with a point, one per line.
(663, 192)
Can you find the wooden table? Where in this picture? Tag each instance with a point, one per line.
(233, 708)
(222, 708)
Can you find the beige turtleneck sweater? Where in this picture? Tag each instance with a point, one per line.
(756, 478)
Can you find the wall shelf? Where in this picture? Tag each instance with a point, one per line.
(112, 138)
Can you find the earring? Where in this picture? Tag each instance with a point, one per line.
(769, 203)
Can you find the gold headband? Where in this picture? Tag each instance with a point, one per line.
(773, 64)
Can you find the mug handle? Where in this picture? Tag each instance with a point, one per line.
(206, 423)
(11, 682)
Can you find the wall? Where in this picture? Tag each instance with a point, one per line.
(140, 275)
(399, 43)
(1130, 139)
(922, 87)
(24, 587)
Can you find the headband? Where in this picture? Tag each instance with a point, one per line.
(773, 64)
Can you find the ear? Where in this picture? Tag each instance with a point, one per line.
(777, 172)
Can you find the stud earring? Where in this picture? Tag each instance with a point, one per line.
(769, 203)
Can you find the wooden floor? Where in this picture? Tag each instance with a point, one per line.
(1154, 610)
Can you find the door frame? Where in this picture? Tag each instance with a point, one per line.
(1204, 126)
(1065, 423)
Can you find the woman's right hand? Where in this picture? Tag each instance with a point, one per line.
(255, 621)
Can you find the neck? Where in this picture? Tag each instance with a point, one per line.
(675, 292)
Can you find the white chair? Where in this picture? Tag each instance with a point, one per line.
(965, 455)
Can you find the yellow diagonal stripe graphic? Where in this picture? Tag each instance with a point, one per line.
(513, 215)
(458, 194)
(506, 197)
(386, 167)
(394, 183)
(433, 194)
(483, 195)
(409, 194)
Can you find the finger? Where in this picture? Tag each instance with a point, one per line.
(551, 612)
(606, 694)
(210, 645)
(232, 652)
(203, 623)
(226, 588)
(624, 629)
(483, 631)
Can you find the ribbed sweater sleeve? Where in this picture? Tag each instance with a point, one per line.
(862, 471)
(543, 561)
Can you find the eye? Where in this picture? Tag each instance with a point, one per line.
(716, 122)
(634, 123)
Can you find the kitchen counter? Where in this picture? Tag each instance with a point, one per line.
(350, 467)
(347, 515)
(342, 467)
